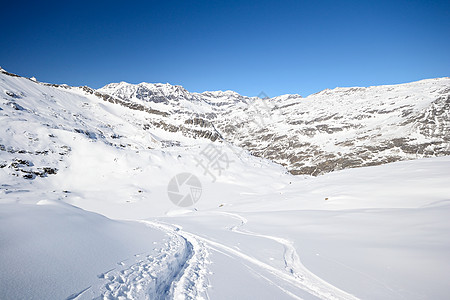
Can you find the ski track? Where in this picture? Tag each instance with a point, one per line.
(178, 271)
(305, 279)
(297, 276)
(149, 277)
(190, 281)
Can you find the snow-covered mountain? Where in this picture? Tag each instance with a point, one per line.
(327, 131)
(86, 178)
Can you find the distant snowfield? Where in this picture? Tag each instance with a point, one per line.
(104, 227)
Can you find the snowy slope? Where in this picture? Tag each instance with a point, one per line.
(85, 210)
(52, 251)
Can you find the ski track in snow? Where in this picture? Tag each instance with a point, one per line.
(305, 278)
(296, 276)
(147, 278)
(176, 272)
(179, 270)
(190, 280)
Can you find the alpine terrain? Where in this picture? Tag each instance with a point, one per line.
(149, 191)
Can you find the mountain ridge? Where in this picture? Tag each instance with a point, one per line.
(395, 111)
(324, 132)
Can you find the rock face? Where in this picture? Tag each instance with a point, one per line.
(328, 131)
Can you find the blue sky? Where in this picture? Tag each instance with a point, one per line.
(277, 47)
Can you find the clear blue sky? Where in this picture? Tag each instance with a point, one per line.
(277, 47)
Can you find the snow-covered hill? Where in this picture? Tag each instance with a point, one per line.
(87, 178)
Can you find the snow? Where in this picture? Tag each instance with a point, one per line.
(52, 250)
(104, 226)
(388, 250)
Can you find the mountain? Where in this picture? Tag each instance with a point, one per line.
(328, 131)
